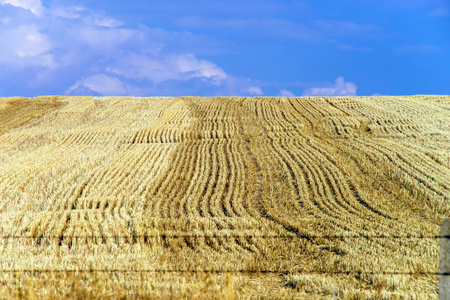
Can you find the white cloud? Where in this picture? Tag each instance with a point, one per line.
(191, 67)
(285, 93)
(106, 22)
(31, 43)
(100, 40)
(35, 6)
(25, 46)
(5, 21)
(74, 50)
(339, 88)
(100, 83)
(171, 67)
(254, 90)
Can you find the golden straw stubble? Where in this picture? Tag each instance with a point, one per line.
(223, 197)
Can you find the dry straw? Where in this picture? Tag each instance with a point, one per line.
(223, 197)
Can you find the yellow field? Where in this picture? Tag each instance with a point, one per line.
(223, 197)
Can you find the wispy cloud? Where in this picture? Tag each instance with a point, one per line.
(317, 31)
(415, 49)
(242, 9)
(339, 88)
(86, 52)
(273, 27)
(346, 47)
(338, 28)
(282, 19)
(439, 12)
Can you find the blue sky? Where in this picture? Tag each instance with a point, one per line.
(233, 47)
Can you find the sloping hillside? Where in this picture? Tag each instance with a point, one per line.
(223, 197)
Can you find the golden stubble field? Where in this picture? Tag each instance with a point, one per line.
(226, 197)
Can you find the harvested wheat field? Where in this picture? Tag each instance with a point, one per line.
(223, 197)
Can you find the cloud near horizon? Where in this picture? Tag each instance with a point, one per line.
(87, 53)
(255, 91)
(339, 88)
(223, 48)
(285, 93)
